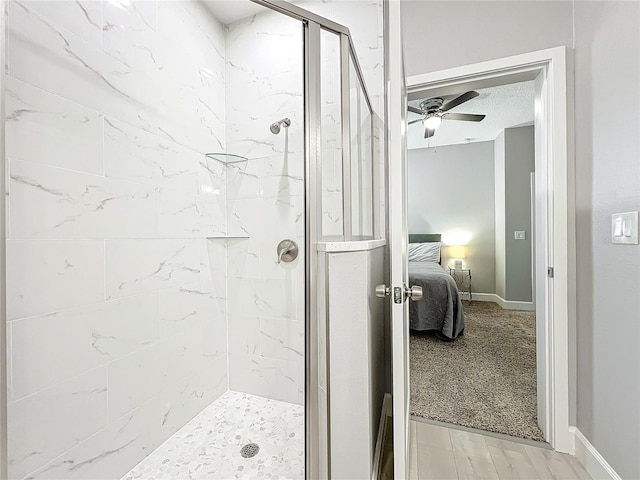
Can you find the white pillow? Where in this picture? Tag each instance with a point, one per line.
(425, 252)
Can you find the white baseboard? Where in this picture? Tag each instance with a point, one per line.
(377, 456)
(590, 458)
(506, 304)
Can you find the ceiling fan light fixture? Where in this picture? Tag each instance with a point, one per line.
(432, 121)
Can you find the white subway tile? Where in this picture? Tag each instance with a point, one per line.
(146, 265)
(133, 380)
(77, 70)
(191, 305)
(283, 339)
(45, 276)
(243, 257)
(111, 452)
(45, 425)
(261, 297)
(82, 17)
(133, 154)
(50, 202)
(130, 34)
(243, 179)
(89, 336)
(186, 397)
(267, 377)
(244, 335)
(50, 130)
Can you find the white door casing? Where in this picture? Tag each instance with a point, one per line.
(541, 233)
(396, 107)
(555, 214)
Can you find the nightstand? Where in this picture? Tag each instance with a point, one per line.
(462, 276)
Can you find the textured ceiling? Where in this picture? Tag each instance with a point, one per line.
(504, 106)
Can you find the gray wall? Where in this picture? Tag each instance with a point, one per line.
(500, 181)
(452, 188)
(484, 31)
(607, 70)
(607, 149)
(514, 162)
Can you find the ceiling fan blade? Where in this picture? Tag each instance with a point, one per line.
(465, 97)
(415, 121)
(415, 110)
(429, 132)
(465, 117)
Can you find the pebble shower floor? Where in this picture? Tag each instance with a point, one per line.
(208, 447)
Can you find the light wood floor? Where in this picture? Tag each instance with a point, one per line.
(440, 453)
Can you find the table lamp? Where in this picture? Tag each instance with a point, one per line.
(457, 253)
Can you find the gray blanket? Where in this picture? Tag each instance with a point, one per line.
(440, 309)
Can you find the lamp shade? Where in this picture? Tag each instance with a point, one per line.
(457, 251)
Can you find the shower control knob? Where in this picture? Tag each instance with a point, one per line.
(287, 251)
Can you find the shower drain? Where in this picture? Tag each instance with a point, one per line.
(250, 450)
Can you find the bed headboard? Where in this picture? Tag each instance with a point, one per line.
(426, 237)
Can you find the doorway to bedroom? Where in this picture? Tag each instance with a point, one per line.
(471, 213)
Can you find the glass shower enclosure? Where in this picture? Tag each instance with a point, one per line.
(171, 168)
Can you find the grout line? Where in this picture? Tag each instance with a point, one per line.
(93, 304)
(51, 387)
(104, 271)
(84, 172)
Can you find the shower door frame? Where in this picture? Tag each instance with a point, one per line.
(3, 260)
(313, 24)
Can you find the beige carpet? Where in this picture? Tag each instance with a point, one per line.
(485, 379)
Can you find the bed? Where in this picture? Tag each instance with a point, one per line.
(440, 310)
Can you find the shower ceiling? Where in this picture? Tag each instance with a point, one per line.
(230, 11)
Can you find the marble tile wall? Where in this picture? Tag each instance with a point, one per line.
(265, 198)
(125, 320)
(265, 194)
(116, 299)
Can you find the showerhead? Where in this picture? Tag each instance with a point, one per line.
(275, 127)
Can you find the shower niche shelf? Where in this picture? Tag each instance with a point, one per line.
(226, 157)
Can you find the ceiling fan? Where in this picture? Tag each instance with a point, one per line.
(434, 110)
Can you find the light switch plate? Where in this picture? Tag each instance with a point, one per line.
(624, 228)
(520, 235)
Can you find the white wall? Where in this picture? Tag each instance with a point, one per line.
(116, 301)
(607, 119)
(451, 189)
